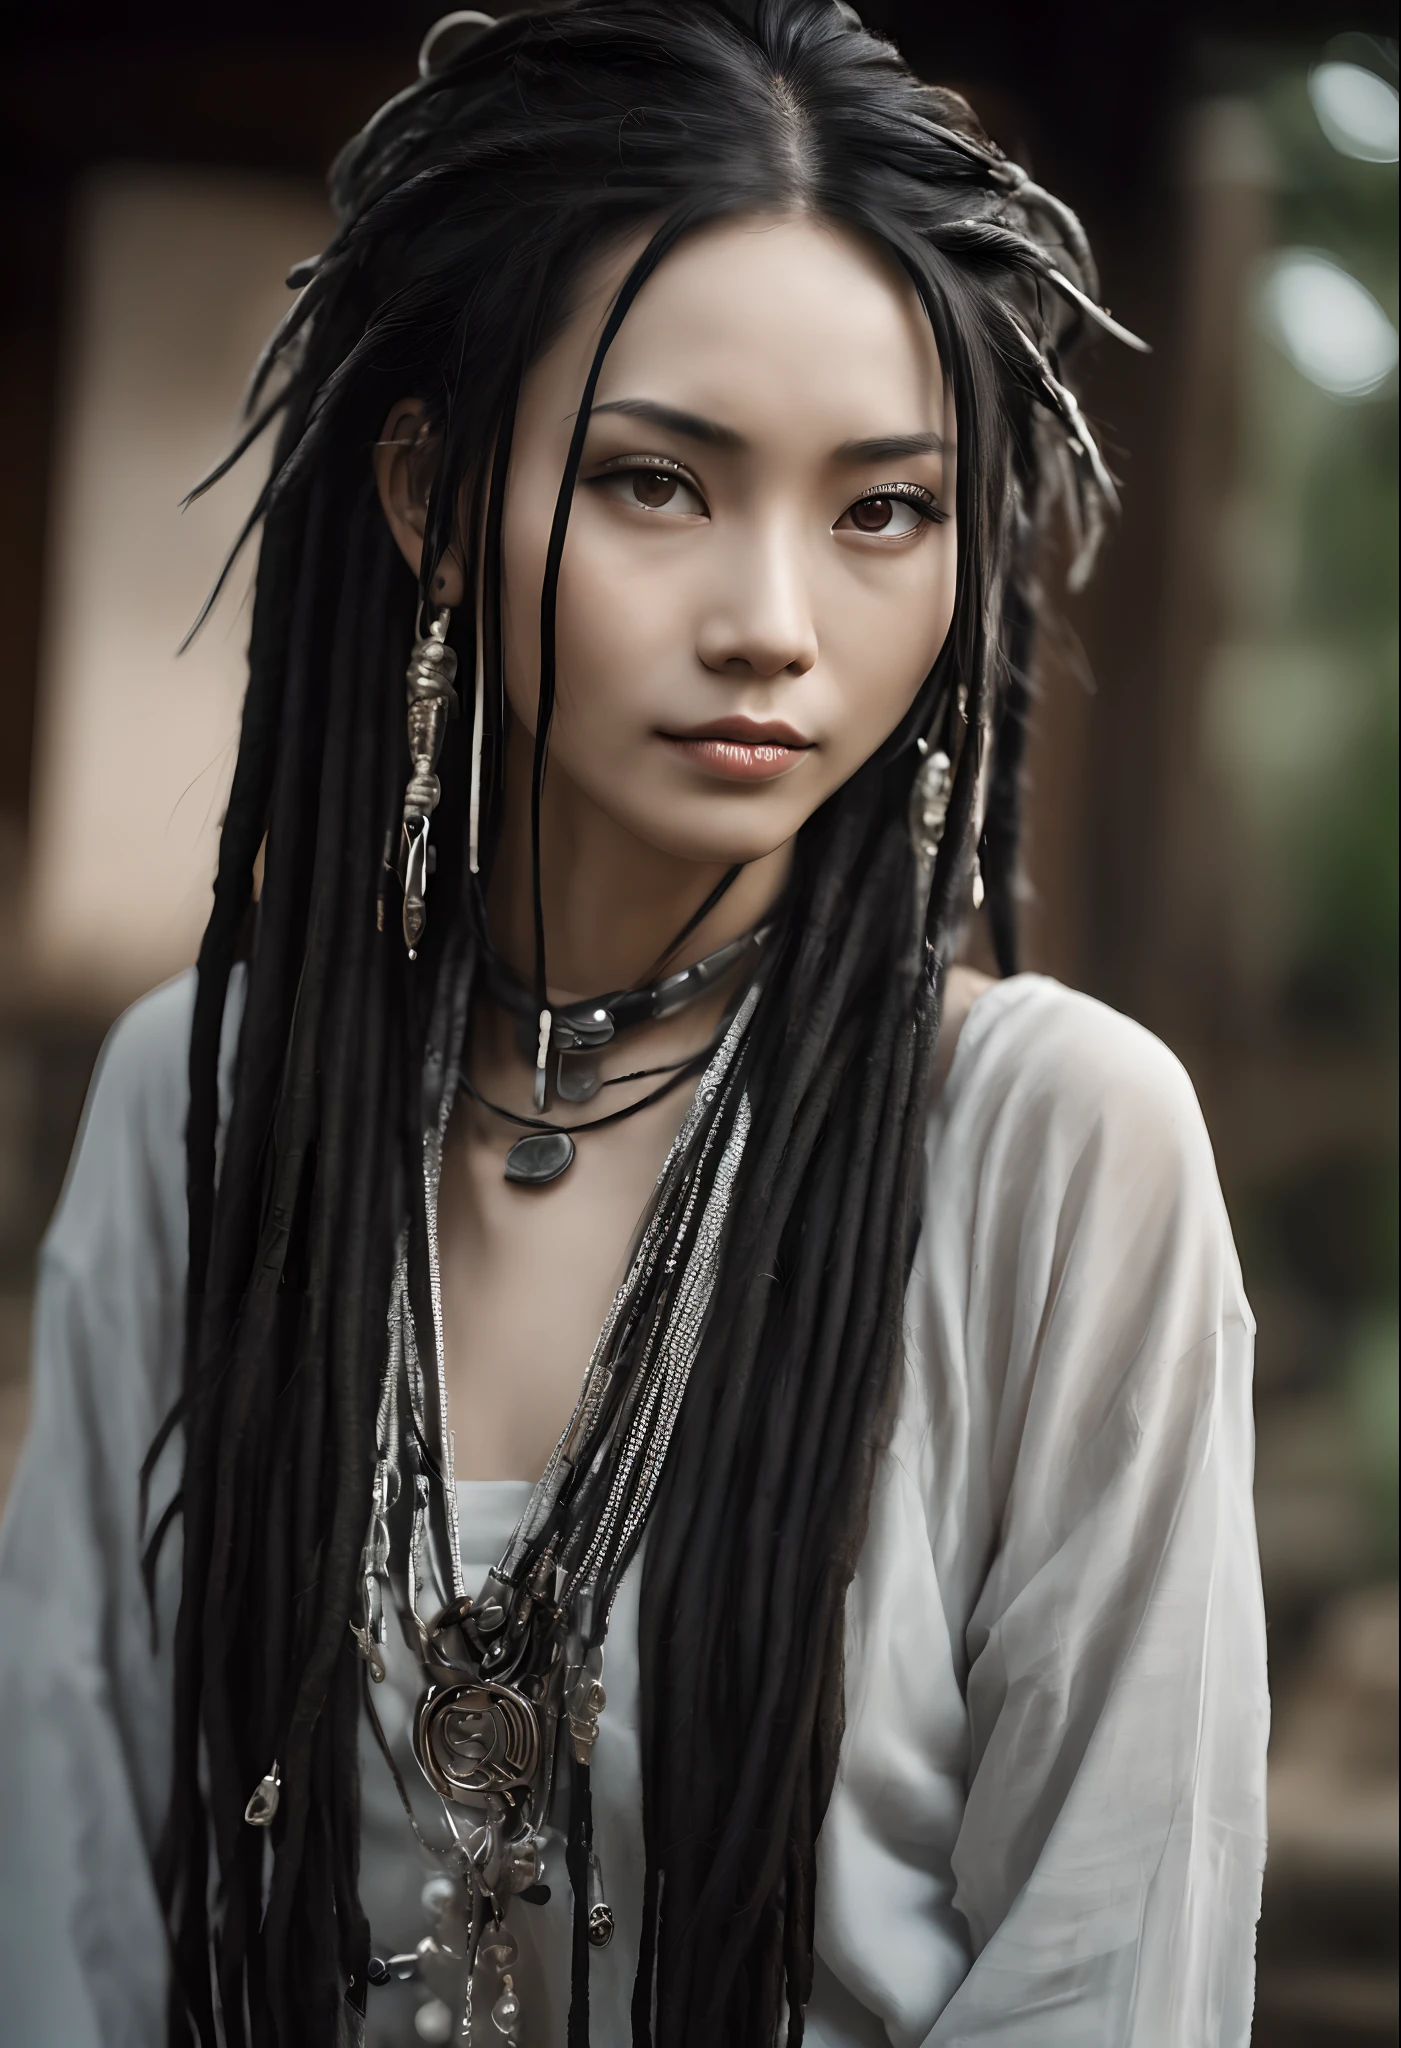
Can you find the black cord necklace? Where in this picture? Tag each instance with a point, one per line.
(548, 1149)
(579, 1031)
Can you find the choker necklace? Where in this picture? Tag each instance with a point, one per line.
(576, 1032)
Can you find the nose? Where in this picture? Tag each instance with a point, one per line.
(761, 619)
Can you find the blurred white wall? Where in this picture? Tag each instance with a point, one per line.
(178, 276)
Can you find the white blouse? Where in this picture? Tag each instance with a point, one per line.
(1047, 1829)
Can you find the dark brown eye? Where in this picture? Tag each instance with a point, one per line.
(653, 488)
(659, 486)
(888, 515)
(872, 515)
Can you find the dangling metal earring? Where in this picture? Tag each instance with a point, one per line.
(929, 804)
(432, 701)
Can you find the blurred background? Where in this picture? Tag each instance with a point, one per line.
(1214, 767)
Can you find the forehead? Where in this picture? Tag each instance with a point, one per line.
(789, 329)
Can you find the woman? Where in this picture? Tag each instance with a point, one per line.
(704, 369)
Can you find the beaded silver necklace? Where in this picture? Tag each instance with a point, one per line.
(503, 1669)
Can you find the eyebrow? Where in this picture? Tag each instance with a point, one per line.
(712, 434)
(674, 421)
(890, 447)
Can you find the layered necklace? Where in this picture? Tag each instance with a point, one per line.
(511, 1675)
(566, 1050)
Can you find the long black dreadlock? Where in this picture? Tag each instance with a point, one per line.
(467, 210)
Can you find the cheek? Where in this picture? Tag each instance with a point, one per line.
(618, 624)
(882, 635)
(624, 633)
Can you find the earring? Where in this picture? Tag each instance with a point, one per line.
(929, 803)
(432, 701)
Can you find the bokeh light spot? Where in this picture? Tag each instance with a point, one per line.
(1329, 325)
(1356, 110)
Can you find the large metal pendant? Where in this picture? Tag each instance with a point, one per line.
(477, 1738)
(540, 1158)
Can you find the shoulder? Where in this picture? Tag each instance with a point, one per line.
(1068, 1159)
(126, 1176)
(141, 1072)
(1076, 1267)
(1044, 1076)
(127, 1172)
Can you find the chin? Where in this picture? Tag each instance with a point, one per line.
(718, 843)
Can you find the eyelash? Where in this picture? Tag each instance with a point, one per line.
(924, 502)
(649, 464)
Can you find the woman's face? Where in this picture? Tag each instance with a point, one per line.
(759, 568)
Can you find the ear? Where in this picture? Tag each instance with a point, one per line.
(404, 460)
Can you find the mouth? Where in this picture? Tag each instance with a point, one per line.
(742, 749)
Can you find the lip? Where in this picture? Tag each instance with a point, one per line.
(742, 749)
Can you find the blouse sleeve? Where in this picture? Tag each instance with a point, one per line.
(1082, 1284)
(83, 1699)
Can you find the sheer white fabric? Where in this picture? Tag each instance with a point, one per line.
(1048, 1825)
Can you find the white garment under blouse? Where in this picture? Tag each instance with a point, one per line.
(1047, 1829)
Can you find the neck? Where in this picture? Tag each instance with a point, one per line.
(613, 902)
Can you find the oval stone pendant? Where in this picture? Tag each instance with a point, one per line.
(541, 1157)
